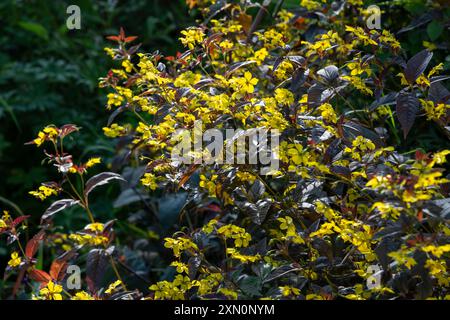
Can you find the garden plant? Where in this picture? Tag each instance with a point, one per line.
(357, 207)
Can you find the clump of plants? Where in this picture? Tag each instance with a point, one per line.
(347, 214)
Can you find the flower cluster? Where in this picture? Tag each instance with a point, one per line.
(345, 198)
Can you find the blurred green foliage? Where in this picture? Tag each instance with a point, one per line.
(49, 74)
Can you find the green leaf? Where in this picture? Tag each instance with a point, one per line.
(250, 285)
(434, 30)
(36, 28)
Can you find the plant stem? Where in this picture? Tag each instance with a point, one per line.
(113, 264)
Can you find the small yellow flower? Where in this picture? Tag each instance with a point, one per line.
(363, 144)
(284, 97)
(112, 287)
(114, 99)
(15, 260)
(52, 291)
(95, 227)
(43, 192)
(234, 254)
(114, 131)
(181, 267)
(209, 227)
(209, 184)
(249, 83)
(127, 65)
(48, 133)
(179, 245)
(328, 113)
(92, 162)
(260, 55)
(287, 291)
(192, 37)
(150, 180)
(82, 295)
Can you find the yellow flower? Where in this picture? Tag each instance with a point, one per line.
(114, 131)
(249, 83)
(209, 227)
(260, 55)
(150, 180)
(84, 239)
(429, 179)
(363, 144)
(429, 45)
(6, 216)
(439, 157)
(386, 210)
(127, 65)
(291, 233)
(361, 35)
(313, 296)
(179, 245)
(43, 192)
(114, 99)
(187, 79)
(226, 45)
(180, 266)
(328, 113)
(436, 267)
(52, 291)
(287, 291)
(95, 227)
(437, 251)
(389, 39)
(402, 257)
(272, 39)
(110, 52)
(358, 83)
(434, 112)
(15, 260)
(284, 97)
(48, 133)
(92, 162)
(357, 68)
(82, 295)
(192, 37)
(112, 287)
(234, 254)
(240, 236)
(209, 184)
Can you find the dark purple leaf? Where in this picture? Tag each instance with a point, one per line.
(58, 206)
(388, 99)
(330, 73)
(96, 263)
(342, 171)
(101, 179)
(352, 129)
(298, 79)
(417, 65)
(407, 108)
(194, 263)
(298, 60)
(438, 93)
(115, 114)
(318, 94)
